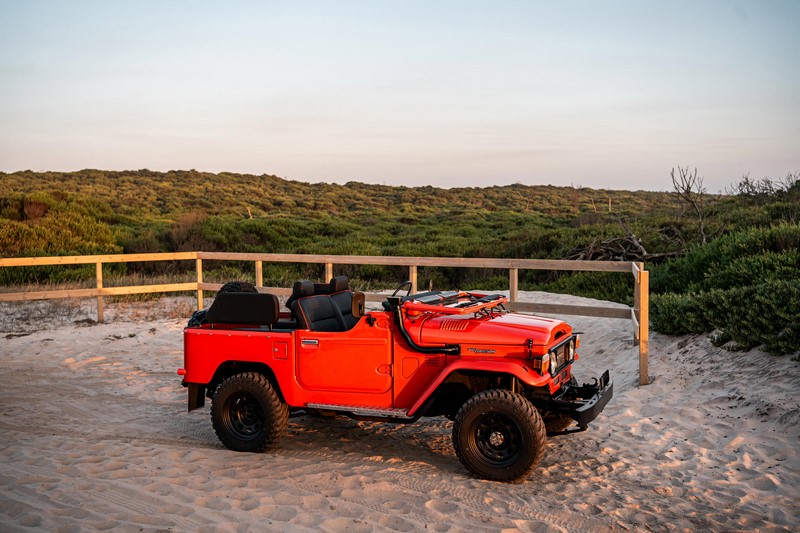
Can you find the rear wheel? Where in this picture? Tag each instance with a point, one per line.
(247, 413)
(499, 435)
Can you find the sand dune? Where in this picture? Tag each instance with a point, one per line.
(94, 436)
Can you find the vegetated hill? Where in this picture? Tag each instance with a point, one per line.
(726, 280)
(189, 210)
(169, 194)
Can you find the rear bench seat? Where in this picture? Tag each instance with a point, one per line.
(252, 308)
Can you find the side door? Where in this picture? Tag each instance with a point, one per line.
(358, 361)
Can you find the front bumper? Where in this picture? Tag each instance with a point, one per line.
(582, 403)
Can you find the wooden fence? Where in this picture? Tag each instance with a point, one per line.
(637, 314)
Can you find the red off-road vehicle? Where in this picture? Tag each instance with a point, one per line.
(505, 379)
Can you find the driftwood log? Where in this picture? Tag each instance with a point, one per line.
(628, 248)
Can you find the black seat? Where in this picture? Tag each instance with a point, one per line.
(338, 284)
(304, 288)
(260, 309)
(319, 313)
(342, 296)
(300, 289)
(322, 288)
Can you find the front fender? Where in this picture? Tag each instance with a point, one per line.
(519, 370)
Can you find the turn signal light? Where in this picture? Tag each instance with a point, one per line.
(542, 364)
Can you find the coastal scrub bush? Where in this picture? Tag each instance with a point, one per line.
(755, 269)
(765, 314)
(68, 233)
(745, 284)
(690, 272)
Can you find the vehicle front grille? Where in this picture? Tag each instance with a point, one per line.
(560, 356)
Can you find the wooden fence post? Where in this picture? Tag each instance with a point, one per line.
(328, 272)
(637, 298)
(259, 274)
(513, 284)
(412, 275)
(644, 333)
(199, 281)
(100, 302)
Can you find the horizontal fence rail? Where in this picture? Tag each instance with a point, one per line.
(638, 314)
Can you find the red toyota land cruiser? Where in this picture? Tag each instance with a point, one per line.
(505, 379)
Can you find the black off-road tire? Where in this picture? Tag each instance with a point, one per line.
(198, 318)
(247, 413)
(499, 435)
(238, 286)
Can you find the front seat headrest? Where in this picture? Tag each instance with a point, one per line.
(300, 289)
(303, 288)
(339, 284)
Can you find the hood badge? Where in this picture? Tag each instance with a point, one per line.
(481, 350)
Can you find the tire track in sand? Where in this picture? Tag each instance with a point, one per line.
(411, 479)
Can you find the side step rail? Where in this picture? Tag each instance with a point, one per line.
(379, 412)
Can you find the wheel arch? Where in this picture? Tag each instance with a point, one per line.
(458, 387)
(474, 378)
(230, 368)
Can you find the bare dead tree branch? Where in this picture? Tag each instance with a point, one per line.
(688, 185)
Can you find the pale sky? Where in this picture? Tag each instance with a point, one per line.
(604, 94)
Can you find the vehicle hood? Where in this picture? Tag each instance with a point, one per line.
(510, 328)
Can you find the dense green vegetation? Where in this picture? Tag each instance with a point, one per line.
(147, 211)
(745, 284)
(742, 282)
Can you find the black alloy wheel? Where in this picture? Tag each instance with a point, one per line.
(242, 416)
(497, 439)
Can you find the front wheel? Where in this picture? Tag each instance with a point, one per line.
(247, 413)
(499, 435)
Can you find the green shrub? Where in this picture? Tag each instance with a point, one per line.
(69, 233)
(689, 273)
(765, 314)
(755, 269)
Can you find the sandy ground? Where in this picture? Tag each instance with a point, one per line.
(94, 435)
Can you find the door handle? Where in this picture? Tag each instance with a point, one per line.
(309, 342)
